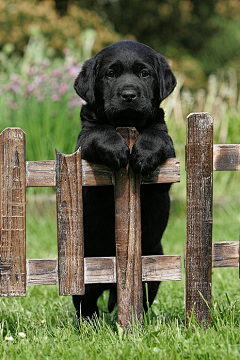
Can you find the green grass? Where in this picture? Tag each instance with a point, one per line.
(51, 328)
(45, 124)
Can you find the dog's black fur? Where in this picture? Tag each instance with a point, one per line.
(123, 85)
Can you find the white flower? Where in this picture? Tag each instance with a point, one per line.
(22, 335)
(9, 338)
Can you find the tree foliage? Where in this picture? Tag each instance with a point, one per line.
(198, 36)
(201, 30)
(21, 19)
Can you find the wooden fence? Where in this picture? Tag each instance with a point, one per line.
(202, 158)
(71, 270)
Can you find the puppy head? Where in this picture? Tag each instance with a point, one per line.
(126, 82)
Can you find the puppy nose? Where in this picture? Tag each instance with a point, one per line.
(128, 95)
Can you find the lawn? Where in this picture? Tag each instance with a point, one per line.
(50, 327)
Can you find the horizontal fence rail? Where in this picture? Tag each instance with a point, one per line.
(103, 270)
(42, 173)
(71, 271)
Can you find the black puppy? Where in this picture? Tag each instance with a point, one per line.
(123, 85)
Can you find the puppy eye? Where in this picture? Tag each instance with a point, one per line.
(144, 73)
(110, 73)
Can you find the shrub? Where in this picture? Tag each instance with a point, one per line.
(20, 18)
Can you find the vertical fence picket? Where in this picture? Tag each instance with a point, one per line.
(13, 212)
(70, 224)
(128, 240)
(199, 167)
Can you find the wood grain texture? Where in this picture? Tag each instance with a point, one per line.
(162, 267)
(42, 272)
(169, 172)
(42, 174)
(103, 270)
(128, 240)
(13, 212)
(199, 166)
(70, 224)
(96, 175)
(225, 254)
(226, 157)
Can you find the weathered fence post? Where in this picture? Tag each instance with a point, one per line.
(198, 259)
(128, 240)
(12, 212)
(70, 223)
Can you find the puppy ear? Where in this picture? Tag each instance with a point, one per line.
(84, 84)
(166, 78)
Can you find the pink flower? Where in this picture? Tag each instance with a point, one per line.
(12, 105)
(37, 80)
(76, 102)
(15, 78)
(66, 51)
(54, 84)
(57, 73)
(29, 89)
(40, 98)
(31, 71)
(15, 88)
(63, 88)
(74, 71)
(55, 97)
(46, 62)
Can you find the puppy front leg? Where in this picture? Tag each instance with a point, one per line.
(152, 147)
(102, 144)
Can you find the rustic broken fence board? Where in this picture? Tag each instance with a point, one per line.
(202, 157)
(71, 270)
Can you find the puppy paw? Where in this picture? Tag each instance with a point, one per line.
(150, 150)
(114, 154)
(144, 162)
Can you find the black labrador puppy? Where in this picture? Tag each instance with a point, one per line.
(123, 85)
